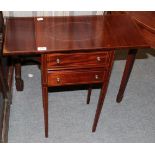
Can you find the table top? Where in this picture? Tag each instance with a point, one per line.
(36, 35)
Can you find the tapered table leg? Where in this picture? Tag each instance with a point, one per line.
(19, 81)
(100, 105)
(102, 95)
(127, 71)
(89, 93)
(44, 92)
(45, 107)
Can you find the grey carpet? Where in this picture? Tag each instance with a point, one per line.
(70, 119)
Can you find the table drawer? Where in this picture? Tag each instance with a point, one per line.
(69, 77)
(78, 60)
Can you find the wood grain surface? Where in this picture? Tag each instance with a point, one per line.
(60, 34)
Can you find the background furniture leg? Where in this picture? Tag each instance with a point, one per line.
(127, 71)
(19, 81)
(3, 82)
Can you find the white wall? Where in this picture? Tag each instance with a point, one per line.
(48, 13)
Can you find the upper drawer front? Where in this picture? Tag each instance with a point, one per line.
(78, 60)
(69, 77)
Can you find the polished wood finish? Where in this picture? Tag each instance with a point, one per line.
(24, 35)
(127, 71)
(85, 76)
(102, 94)
(44, 91)
(19, 36)
(145, 21)
(45, 108)
(74, 50)
(95, 59)
(148, 35)
(87, 72)
(145, 18)
(62, 34)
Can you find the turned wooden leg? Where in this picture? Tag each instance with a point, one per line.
(127, 71)
(19, 81)
(89, 93)
(45, 107)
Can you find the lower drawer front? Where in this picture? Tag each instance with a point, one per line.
(59, 78)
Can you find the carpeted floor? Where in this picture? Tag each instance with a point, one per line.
(70, 119)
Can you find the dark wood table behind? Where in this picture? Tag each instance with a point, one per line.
(145, 21)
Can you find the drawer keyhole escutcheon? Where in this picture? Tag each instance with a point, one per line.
(58, 61)
(58, 80)
(98, 59)
(96, 77)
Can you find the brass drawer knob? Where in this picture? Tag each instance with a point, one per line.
(98, 59)
(58, 80)
(58, 61)
(96, 77)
